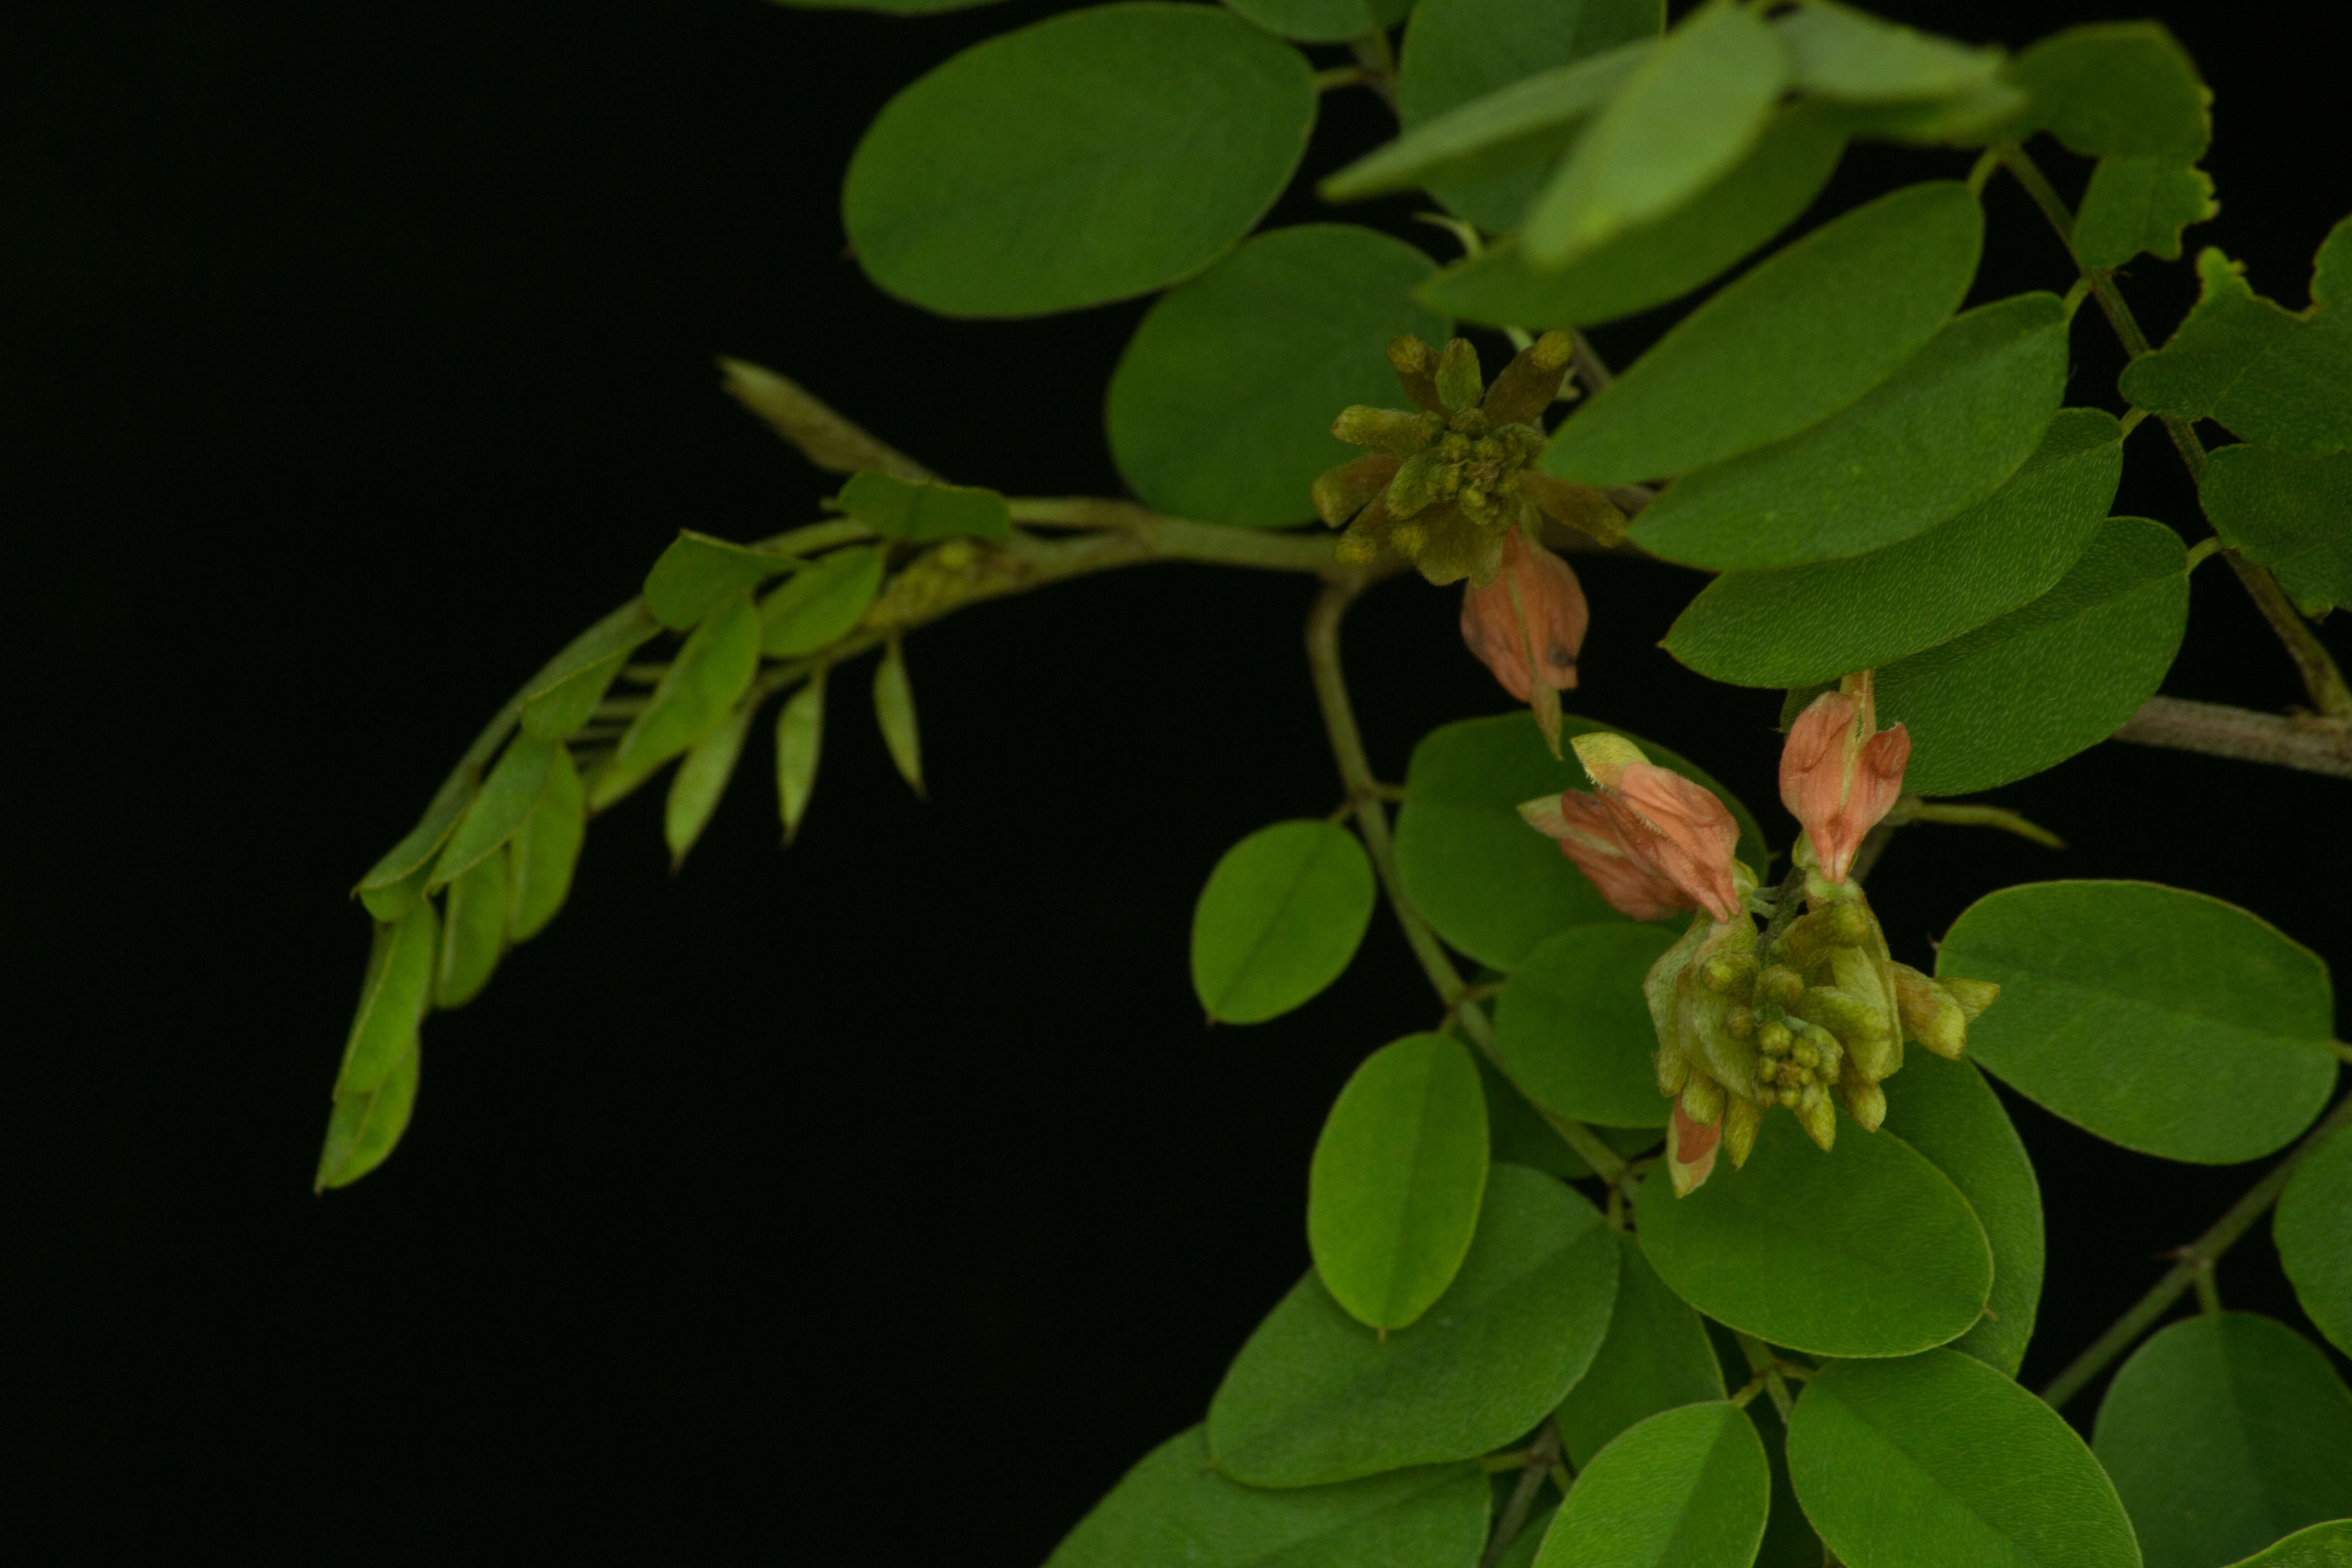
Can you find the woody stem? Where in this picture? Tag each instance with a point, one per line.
(2195, 1258)
(1371, 815)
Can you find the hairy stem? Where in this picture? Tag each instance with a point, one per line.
(1363, 789)
(2321, 678)
(2221, 731)
(2196, 1259)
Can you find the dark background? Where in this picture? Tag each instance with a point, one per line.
(887, 1189)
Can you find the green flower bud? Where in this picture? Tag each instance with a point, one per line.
(1421, 483)
(1739, 1023)
(1703, 1100)
(1729, 974)
(1741, 1118)
(1341, 492)
(1847, 1016)
(1931, 1013)
(1817, 1115)
(1530, 383)
(1579, 506)
(1459, 382)
(1415, 363)
(1773, 1038)
(1810, 938)
(1387, 431)
(1973, 995)
(1867, 1103)
(1780, 985)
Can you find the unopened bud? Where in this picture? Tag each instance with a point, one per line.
(1739, 1023)
(1973, 995)
(1472, 425)
(1741, 1118)
(1810, 938)
(1459, 382)
(1780, 985)
(1674, 1071)
(1387, 431)
(1867, 1104)
(1931, 1014)
(1606, 756)
(1818, 1117)
(1419, 483)
(1531, 381)
(1773, 1038)
(1415, 363)
(1847, 1016)
(1729, 974)
(1341, 492)
(1579, 507)
(1806, 1055)
(1702, 1099)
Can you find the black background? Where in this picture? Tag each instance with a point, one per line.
(887, 1191)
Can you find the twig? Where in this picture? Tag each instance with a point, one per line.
(2313, 746)
(1911, 808)
(2196, 1258)
(1542, 1455)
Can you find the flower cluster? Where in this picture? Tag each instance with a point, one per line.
(1809, 1014)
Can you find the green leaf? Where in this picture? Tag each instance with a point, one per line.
(543, 852)
(2140, 204)
(2269, 374)
(700, 780)
(391, 903)
(800, 738)
(1323, 21)
(1457, 52)
(1947, 1111)
(1392, 1195)
(921, 510)
(1493, 147)
(2115, 89)
(693, 697)
(1966, 120)
(393, 996)
(1521, 1551)
(2088, 652)
(2162, 1020)
(2313, 1227)
(1221, 406)
(1765, 358)
(1316, 1396)
(1573, 1031)
(1761, 195)
(1838, 53)
(1279, 919)
(473, 933)
(698, 570)
(1088, 157)
(561, 696)
(1867, 1250)
(1685, 1489)
(1689, 112)
(2322, 1546)
(1517, 1134)
(1789, 1538)
(2290, 514)
(1656, 1357)
(821, 604)
(894, 711)
(1485, 880)
(1942, 433)
(2224, 1433)
(1937, 1459)
(1804, 624)
(365, 1125)
(506, 798)
(403, 861)
(1172, 1510)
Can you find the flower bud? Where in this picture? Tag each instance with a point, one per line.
(1739, 1023)
(1459, 382)
(1690, 1150)
(1774, 1038)
(1811, 937)
(1579, 507)
(1731, 973)
(1702, 1099)
(1839, 774)
(1741, 1118)
(1527, 623)
(1973, 995)
(1415, 363)
(1587, 835)
(1663, 819)
(1815, 1114)
(1388, 432)
(1866, 1102)
(1847, 1016)
(1341, 492)
(1531, 381)
(1780, 985)
(1931, 1014)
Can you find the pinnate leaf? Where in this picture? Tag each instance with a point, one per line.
(473, 932)
(800, 740)
(1937, 1460)
(567, 689)
(1867, 1250)
(1221, 407)
(1837, 52)
(1316, 1396)
(394, 994)
(2326, 1545)
(544, 851)
(498, 810)
(1323, 21)
(2224, 1433)
(1033, 172)
(1572, 1030)
(894, 712)
(2162, 1020)
(1393, 1195)
(1764, 359)
(2313, 1227)
(2292, 514)
(698, 570)
(1279, 919)
(1174, 1510)
(822, 604)
(2140, 204)
(1656, 1357)
(366, 1124)
(694, 696)
(918, 511)
(2115, 89)
(700, 780)
(1685, 1489)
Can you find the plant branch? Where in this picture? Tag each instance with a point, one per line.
(1363, 789)
(2321, 678)
(2196, 1259)
(2222, 730)
(1542, 1455)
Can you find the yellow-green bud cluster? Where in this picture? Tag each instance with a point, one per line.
(1443, 484)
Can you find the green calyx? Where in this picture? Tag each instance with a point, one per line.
(1444, 483)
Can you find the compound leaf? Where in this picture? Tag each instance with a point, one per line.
(2313, 1227)
(1656, 1357)
(1572, 1030)
(1685, 1488)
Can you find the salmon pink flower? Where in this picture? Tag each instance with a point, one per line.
(1667, 842)
(1530, 618)
(1840, 772)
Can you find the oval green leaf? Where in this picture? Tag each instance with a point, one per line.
(2290, 514)
(1685, 1489)
(544, 851)
(1941, 433)
(1173, 1510)
(394, 995)
(1315, 1397)
(1323, 21)
(1689, 112)
(473, 933)
(1037, 171)
(1805, 624)
(1459, 51)
(920, 511)
(1487, 883)
(2313, 1227)
(822, 604)
(894, 714)
(1393, 1195)
(505, 799)
(1769, 355)
(1281, 916)
(2224, 1433)
(1947, 1113)
(1573, 1030)
(1850, 55)
(1656, 1357)
(692, 699)
(1789, 1538)
(1867, 1250)
(1763, 194)
(568, 687)
(2162, 1020)
(2091, 651)
(2326, 1545)
(2115, 88)
(365, 1125)
(1221, 406)
(1517, 1134)
(700, 780)
(1938, 1460)
(800, 740)
(698, 570)
(405, 861)
(2140, 204)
